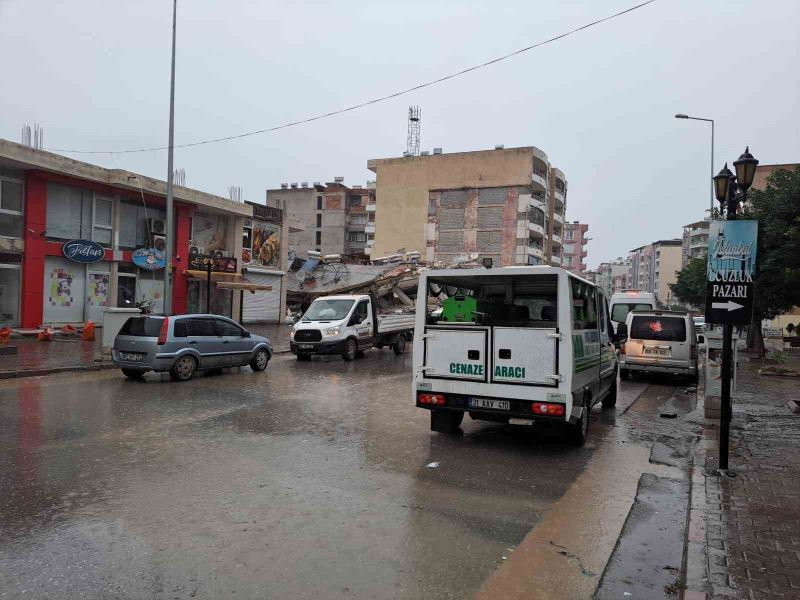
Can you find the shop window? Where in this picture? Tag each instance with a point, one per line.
(69, 212)
(10, 208)
(9, 295)
(102, 225)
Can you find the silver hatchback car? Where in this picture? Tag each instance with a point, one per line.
(186, 343)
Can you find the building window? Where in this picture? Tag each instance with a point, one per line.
(358, 219)
(357, 236)
(536, 216)
(11, 208)
(247, 235)
(319, 220)
(69, 212)
(570, 235)
(318, 237)
(319, 202)
(569, 248)
(102, 221)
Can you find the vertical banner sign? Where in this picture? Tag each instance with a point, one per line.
(731, 268)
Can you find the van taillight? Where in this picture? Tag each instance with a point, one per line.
(544, 408)
(162, 335)
(436, 399)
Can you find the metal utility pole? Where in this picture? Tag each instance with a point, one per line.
(170, 174)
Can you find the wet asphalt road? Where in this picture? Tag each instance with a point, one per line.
(306, 481)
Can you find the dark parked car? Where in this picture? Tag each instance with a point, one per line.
(187, 343)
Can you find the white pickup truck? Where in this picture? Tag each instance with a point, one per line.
(347, 325)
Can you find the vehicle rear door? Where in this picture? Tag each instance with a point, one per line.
(659, 339)
(456, 353)
(524, 355)
(201, 335)
(236, 348)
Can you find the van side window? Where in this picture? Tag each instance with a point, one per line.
(584, 305)
(179, 329)
(359, 314)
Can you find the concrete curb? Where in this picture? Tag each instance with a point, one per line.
(21, 373)
(696, 568)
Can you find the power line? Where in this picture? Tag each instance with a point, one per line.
(368, 102)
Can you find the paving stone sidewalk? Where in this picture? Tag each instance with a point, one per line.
(70, 353)
(744, 531)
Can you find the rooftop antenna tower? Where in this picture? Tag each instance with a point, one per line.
(180, 177)
(414, 118)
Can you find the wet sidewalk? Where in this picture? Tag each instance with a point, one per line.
(744, 531)
(70, 353)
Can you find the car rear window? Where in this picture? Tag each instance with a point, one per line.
(619, 312)
(667, 329)
(142, 327)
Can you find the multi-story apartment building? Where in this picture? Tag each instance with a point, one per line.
(574, 247)
(654, 267)
(338, 219)
(612, 276)
(695, 240)
(507, 204)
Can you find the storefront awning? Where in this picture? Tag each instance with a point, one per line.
(194, 274)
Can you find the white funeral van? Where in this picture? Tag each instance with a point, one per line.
(624, 302)
(515, 345)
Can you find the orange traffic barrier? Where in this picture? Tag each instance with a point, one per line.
(45, 335)
(88, 332)
(69, 329)
(5, 335)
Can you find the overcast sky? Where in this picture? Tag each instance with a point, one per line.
(600, 103)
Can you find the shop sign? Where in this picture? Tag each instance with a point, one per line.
(267, 213)
(83, 251)
(219, 264)
(731, 269)
(149, 258)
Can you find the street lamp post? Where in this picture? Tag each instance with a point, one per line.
(170, 154)
(726, 186)
(682, 116)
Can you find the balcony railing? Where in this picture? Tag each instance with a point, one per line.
(535, 228)
(556, 239)
(539, 177)
(369, 228)
(557, 216)
(534, 250)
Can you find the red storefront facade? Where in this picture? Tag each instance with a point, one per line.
(62, 200)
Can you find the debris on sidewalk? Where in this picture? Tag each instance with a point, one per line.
(778, 372)
(433, 465)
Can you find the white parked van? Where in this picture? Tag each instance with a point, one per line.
(514, 345)
(658, 341)
(624, 302)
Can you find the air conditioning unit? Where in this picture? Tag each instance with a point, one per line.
(157, 226)
(160, 243)
(196, 250)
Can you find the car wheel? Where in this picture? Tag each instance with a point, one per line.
(624, 374)
(183, 369)
(446, 421)
(399, 346)
(580, 430)
(133, 373)
(610, 401)
(260, 360)
(350, 350)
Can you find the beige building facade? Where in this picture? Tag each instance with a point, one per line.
(655, 266)
(498, 203)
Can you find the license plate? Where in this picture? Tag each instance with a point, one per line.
(306, 346)
(131, 356)
(486, 403)
(656, 351)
